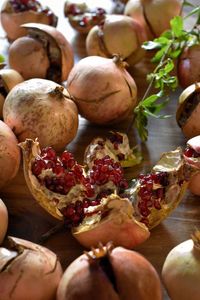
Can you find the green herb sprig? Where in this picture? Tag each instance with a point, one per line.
(169, 46)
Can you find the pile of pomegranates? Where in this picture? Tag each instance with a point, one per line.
(44, 51)
(17, 12)
(107, 273)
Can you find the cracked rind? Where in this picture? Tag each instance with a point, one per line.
(178, 170)
(60, 50)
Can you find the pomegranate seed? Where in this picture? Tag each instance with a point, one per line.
(86, 203)
(121, 156)
(67, 159)
(157, 204)
(48, 153)
(49, 164)
(38, 165)
(190, 152)
(58, 169)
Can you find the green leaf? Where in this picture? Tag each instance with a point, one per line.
(169, 66)
(195, 11)
(157, 57)
(149, 100)
(151, 45)
(177, 26)
(1, 58)
(176, 53)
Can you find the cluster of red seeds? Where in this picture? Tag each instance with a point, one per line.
(95, 16)
(67, 173)
(150, 197)
(190, 152)
(117, 139)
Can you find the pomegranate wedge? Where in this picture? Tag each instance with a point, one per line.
(155, 195)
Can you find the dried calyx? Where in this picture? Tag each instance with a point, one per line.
(81, 17)
(50, 47)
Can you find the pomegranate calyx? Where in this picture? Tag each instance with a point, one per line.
(99, 252)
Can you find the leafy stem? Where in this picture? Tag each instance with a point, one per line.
(169, 46)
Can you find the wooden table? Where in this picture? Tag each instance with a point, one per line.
(29, 221)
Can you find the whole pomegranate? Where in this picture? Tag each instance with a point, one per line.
(112, 95)
(8, 79)
(28, 271)
(43, 53)
(41, 108)
(103, 41)
(106, 273)
(192, 156)
(181, 270)
(153, 15)
(9, 154)
(189, 66)
(4, 221)
(17, 12)
(188, 110)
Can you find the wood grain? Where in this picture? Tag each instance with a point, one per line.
(29, 221)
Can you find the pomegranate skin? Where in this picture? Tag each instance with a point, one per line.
(189, 66)
(9, 154)
(37, 108)
(4, 220)
(131, 277)
(112, 96)
(28, 271)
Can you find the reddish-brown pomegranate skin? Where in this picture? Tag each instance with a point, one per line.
(189, 66)
(112, 95)
(4, 220)
(133, 277)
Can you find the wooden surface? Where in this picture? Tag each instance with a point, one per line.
(29, 221)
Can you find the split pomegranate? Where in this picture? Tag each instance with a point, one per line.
(103, 41)
(116, 146)
(9, 154)
(43, 53)
(88, 202)
(189, 66)
(8, 79)
(82, 17)
(192, 156)
(106, 273)
(187, 114)
(111, 97)
(154, 16)
(17, 12)
(28, 271)
(4, 221)
(41, 108)
(181, 270)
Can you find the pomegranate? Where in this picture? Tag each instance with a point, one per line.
(8, 79)
(96, 202)
(41, 108)
(4, 221)
(153, 15)
(81, 16)
(192, 156)
(17, 12)
(88, 203)
(116, 146)
(9, 154)
(187, 114)
(111, 97)
(28, 271)
(103, 41)
(43, 53)
(106, 273)
(189, 66)
(181, 270)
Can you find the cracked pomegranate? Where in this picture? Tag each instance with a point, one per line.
(82, 17)
(106, 273)
(28, 271)
(17, 12)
